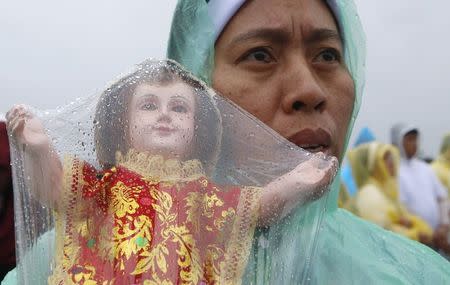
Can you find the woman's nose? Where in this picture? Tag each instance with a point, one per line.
(302, 90)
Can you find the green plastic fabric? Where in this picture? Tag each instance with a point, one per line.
(346, 249)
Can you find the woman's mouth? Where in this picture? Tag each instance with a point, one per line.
(314, 148)
(317, 140)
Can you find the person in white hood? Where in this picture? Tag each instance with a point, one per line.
(420, 190)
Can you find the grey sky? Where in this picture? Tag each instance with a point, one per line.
(407, 68)
(52, 52)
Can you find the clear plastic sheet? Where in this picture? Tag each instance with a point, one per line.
(158, 180)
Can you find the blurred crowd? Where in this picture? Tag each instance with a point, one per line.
(389, 185)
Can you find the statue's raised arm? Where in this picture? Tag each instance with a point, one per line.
(41, 162)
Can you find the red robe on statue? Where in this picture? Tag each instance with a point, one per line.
(151, 221)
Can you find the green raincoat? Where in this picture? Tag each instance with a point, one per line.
(345, 249)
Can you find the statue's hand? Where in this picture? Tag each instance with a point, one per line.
(313, 175)
(308, 181)
(27, 129)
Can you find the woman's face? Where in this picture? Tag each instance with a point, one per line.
(282, 61)
(162, 119)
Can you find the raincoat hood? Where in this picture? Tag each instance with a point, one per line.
(398, 132)
(367, 161)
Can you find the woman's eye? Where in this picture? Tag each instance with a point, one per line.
(260, 54)
(329, 55)
(179, 109)
(149, 106)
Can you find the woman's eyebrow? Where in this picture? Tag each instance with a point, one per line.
(278, 35)
(272, 34)
(320, 35)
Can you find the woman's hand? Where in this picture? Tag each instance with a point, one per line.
(27, 129)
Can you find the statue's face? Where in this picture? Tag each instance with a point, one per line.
(162, 119)
(283, 61)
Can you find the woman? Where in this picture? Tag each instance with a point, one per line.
(298, 66)
(376, 169)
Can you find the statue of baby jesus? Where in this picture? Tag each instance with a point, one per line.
(151, 214)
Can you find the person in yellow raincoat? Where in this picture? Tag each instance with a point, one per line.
(441, 165)
(375, 167)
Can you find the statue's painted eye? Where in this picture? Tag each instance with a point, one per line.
(149, 106)
(179, 109)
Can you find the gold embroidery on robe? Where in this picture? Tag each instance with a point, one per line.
(151, 221)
